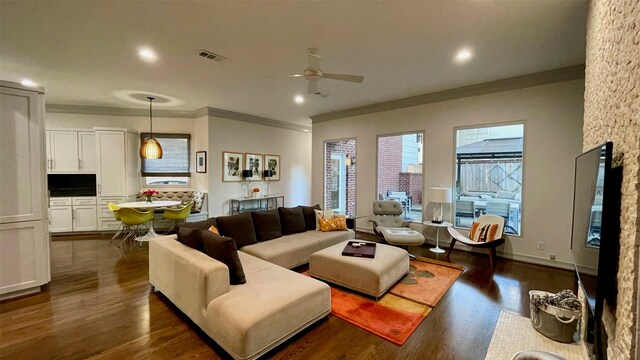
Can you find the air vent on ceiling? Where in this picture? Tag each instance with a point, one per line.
(211, 56)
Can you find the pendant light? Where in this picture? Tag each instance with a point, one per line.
(150, 147)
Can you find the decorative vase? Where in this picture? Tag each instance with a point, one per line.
(149, 200)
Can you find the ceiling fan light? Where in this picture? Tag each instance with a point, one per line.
(150, 149)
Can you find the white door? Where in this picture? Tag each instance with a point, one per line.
(110, 148)
(87, 152)
(60, 219)
(64, 151)
(338, 183)
(85, 218)
(22, 163)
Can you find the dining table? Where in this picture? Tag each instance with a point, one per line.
(149, 206)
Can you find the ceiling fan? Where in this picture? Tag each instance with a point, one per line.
(313, 74)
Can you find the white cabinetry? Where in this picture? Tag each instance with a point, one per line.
(116, 173)
(70, 152)
(87, 152)
(73, 214)
(24, 240)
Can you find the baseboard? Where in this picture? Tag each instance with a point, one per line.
(510, 256)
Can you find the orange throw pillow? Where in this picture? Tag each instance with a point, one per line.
(333, 224)
(214, 230)
(482, 232)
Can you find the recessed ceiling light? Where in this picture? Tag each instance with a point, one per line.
(463, 55)
(29, 83)
(299, 99)
(147, 54)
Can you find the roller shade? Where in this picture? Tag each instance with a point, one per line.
(175, 159)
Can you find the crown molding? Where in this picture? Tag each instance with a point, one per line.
(18, 86)
(115, 111)
(204, 111)
(519, 82)
(231, 115)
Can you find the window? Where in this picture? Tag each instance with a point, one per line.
(400, 172)
(173, 168)
(489, 175)
(340, 176)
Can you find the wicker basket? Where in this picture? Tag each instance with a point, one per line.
(553, 322)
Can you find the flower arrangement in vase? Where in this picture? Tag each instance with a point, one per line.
(148, 193)
(255, 191)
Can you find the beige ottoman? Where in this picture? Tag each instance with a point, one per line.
(368, 276)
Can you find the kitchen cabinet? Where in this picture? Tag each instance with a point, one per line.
(24, 239)
(69, 214)
(117, 171)
(70, 152)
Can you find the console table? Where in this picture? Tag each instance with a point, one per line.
(261, 203)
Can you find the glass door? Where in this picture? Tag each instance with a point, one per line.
(338, 183)
(340, 176)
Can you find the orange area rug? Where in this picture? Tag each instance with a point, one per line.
(427, 281)
(399, 312)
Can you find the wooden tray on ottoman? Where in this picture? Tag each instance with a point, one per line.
(366, 249)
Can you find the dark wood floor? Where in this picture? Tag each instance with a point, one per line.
(99, 305)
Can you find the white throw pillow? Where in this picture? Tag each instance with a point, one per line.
(325, 214)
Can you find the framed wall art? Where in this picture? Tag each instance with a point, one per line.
(254, 163)
(232, 166)
(272, 162)
(201, 161)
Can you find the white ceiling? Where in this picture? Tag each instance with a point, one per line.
(85, 53)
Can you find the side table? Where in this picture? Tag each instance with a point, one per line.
(351, 220)
(437, 249)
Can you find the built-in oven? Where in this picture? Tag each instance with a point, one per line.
(65, 185)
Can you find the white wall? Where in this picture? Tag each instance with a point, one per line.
(552, 115)
(198, 128)
(294, 148)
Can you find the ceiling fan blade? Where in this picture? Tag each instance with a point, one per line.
(343, 77)
(312, 87)
(282, 76)
(313, 59)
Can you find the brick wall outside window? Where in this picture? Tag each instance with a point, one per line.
(347, 147)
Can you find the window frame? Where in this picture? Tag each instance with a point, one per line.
(454, 178)
(324, 172)
(146, 175)
(424, 155)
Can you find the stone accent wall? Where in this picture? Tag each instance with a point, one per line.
(612, 112)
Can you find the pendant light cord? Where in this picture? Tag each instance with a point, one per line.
(151, 116)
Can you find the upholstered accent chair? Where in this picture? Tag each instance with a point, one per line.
(486, 232)
(389, 225)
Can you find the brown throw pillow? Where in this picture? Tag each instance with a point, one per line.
(333, 224)
(266, 224)
(310, 215)
(224, 250)
(292, 220)
(191, 237)
(239, 227)
(200, 225)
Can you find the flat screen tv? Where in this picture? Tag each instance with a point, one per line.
(594, 236)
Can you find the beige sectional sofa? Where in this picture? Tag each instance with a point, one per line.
(250, 319)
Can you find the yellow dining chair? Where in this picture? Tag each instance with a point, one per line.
(133, 220)
(177, 215)
(114, 209)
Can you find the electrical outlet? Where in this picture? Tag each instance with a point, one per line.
(552, 256)
(540, 245)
